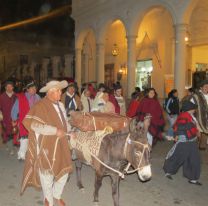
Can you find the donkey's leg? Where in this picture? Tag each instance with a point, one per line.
(98, 184)
(78, 165)
(115, 180)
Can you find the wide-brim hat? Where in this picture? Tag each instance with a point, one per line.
(187, 106)
(54, 84)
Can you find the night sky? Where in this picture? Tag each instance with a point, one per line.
(16, 10)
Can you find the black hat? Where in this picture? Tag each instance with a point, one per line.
(204, 82)
(117, 86)
(187, 106)
(101, 85)
(9, 82)
(30, 84)
(71, 84)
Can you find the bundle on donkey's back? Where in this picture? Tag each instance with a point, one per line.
(111, 151)
(93, 121)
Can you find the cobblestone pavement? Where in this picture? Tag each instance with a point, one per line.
(159, 191)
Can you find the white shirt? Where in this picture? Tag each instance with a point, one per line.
(67, 93)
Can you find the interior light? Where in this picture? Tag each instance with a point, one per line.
(115, 50)
(120, 71)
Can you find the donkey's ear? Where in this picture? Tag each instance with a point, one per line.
(132, 125)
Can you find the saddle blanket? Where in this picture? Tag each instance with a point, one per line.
(88, 143)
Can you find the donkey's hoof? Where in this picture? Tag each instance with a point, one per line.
(82, 190)
(95, 203)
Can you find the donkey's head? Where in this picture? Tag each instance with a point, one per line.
(138, 150)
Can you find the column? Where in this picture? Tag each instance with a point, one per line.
(32, 69)
(188, 64)
(25, 70)
(44, 72)
(180, 59)
(68, 65)
(100, 57)
(86, 68)
(131, 64)
(78, 66)
(55, 66)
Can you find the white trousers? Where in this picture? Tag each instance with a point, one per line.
(149, 138)
(51, 188)
(23, 149)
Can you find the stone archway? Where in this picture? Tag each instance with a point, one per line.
(179, 21)
(115, 54)
(89, 58)
(107, 32)
(85, 56)
(140, 12)
(155, 42)
(198, 41)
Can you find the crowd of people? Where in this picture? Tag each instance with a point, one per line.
(25, 115)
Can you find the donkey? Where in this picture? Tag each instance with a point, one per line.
(118, 152)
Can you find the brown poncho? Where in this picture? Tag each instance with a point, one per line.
(202, 111)
(54, 155)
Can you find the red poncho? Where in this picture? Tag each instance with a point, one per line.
(152, 106)
(113, 100)
(6, 104)
(23, 110)
(133, 107)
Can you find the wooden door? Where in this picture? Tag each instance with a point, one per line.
(109, 75)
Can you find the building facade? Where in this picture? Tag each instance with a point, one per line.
(41, 57)
(157, 43)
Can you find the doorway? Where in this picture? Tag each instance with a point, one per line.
(144, 70)
(109, 75)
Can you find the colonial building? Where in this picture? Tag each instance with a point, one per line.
(157, 43)
(39, 56)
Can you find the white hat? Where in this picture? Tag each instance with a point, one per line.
(54, 84)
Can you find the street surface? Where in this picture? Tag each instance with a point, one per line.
(160, 191)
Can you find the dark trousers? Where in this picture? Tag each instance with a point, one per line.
(186, 155)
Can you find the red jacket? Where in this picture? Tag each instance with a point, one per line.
(185, 125)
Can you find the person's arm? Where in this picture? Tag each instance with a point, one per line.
(168, 106)
(15, 110)
(35, 124)
(192, 100)
(43, 129)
